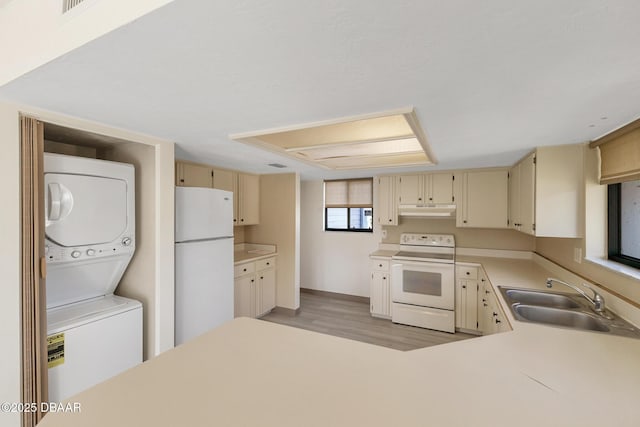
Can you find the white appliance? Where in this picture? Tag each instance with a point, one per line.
(89, 241)
(423, 281)
(204, 260)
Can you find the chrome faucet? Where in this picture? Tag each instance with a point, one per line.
(597, 300)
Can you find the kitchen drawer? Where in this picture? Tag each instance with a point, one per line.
(263, 264)
(467, 273)
(380, 265)
(242, 269)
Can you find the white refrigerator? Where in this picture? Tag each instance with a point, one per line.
(204, 261)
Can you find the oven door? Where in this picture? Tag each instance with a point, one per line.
(424, 284)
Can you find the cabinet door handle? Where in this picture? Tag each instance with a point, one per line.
(430, 198)
(495, 314)
(464, 286)
(379, 265)
(485, 304)
(261, 277)
(268, 263)
(498, 321)
(464, 222)
(390, 220)
(252, 280)
(235, 220)
(486, 292)
(467, 273)
(242, 220)
(384, 277)
(182, 180)
(420, 198)
(244, 269)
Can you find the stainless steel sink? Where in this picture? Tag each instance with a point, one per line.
(564, 310)
(546, 299)
(559, 317)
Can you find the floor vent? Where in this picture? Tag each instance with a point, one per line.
(67, 5)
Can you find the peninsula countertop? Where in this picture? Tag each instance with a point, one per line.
(251, 372)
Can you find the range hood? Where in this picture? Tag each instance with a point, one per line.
(429, 210)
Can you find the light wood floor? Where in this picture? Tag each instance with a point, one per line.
(333, 315)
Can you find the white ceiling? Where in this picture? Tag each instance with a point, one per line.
(489, 79)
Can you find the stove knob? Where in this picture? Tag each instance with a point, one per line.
(91, 252)
(75, 254)
(126, 241)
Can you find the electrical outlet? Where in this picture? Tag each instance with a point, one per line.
(577, 255)
(384, 233)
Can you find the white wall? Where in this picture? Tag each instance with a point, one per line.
(34, 32)
(334, 261)
(10, 356)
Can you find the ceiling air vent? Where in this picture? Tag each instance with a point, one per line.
(277, 165)
(67, 5)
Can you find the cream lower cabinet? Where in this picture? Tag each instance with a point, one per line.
(255, 288)
(466, 298)
(380, 288)
(491, 317)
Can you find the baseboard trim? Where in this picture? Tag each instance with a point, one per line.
(335, 295)
(286, 311)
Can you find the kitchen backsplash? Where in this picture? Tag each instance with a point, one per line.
(465, 237)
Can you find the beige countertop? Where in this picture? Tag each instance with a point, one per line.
(250, 372)
(247, 252)
(381, 253)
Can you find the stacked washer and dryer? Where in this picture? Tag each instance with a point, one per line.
(92, 334)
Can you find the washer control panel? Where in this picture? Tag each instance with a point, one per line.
(55, 253)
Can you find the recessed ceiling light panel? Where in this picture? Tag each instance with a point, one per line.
(375, 141)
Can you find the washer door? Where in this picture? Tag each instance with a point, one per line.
(84, 210)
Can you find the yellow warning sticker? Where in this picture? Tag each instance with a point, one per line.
(55, 350)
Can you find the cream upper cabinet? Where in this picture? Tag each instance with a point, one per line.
(247, 199)
(387, 207)
(484, 201)
(410, 189)
(546, 191)
(193, 175)
(441, 188)
(428, 188)
(223, 179)
(521, 195)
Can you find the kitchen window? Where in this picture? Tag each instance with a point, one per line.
(624, 223)
(348, 205)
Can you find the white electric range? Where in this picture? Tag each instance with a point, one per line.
(423, 281)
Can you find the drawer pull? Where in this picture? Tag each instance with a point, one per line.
(467, 273)
(379, 265)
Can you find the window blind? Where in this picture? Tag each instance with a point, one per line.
(619, 154)
(349, 193)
